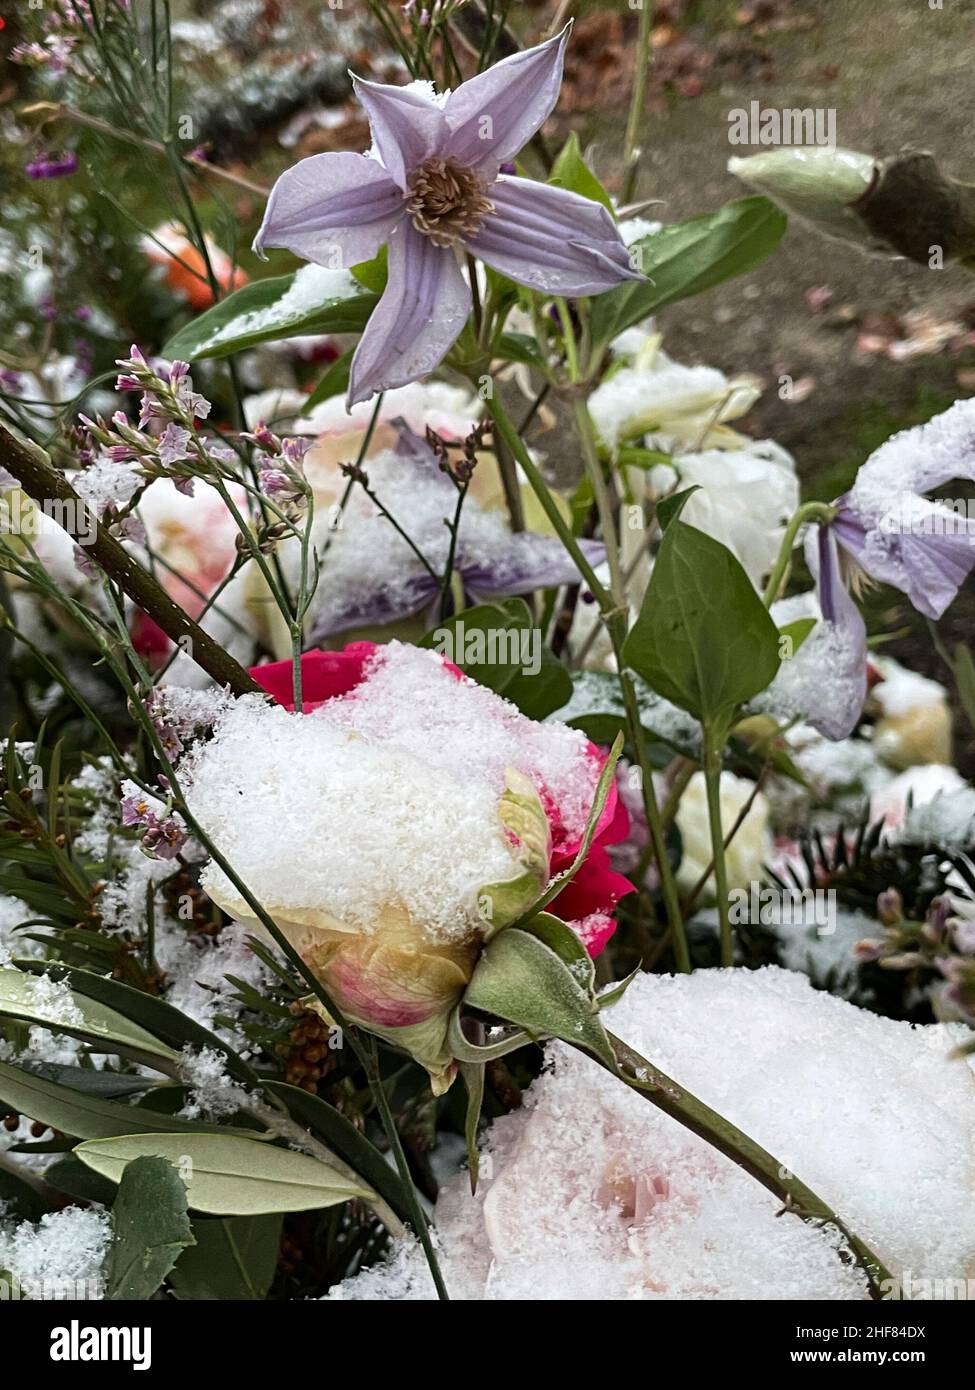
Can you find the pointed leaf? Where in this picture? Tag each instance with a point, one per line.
(228, 1175)
(28, 997)
(234, 1259)
(312, 300)
(703, 639)
(521, 979)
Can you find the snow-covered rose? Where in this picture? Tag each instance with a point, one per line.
(749, 850)
(589, 1193)
(402, 818)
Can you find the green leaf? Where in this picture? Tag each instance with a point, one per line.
(372, 275)
(703, 638)
(86, 1117)
(27, 997)
(335, 382)
(571, 171)
(688, 257)
(521, 979)
(229, 1175)
(18, 1199)
(490, 643)
(233, 1259)
(473, 1076)
(671, 507)
(796, 633)
(518, 347)
(348, 1142)
(540, 693)
(311, 300)
(69, 1175)
(150, 1229)
(163, 1020)
(110, 1085)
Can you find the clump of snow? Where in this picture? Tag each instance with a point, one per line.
(13, 913)
(107, 482)
(394, 582)
(59, 1257)
(215, 1095)
(196, 967)
(590, 1192)
(826, 956)
(387, 796)
(313, 287)
(916, 460)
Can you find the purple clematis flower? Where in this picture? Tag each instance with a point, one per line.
(373, 577)
(431, 188)
(887, 528)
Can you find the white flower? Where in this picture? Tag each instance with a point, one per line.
(744, 500)
(656, 396)
(748, 851)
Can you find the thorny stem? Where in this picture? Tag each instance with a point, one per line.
(642, 1076)
(42, 482)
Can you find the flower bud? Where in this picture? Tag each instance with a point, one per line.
(816, 184)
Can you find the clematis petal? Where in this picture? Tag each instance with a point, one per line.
(490, 117)
(837, 661)
(551, 240)
(530, 562)
(371, 604)
(423, 309)
(918, 459)
(333, 209)
(928, 566)
(407, 126)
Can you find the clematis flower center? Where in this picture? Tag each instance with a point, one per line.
(446, 200)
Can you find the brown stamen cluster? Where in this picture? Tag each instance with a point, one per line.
(446, 201)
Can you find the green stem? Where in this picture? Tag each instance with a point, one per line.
(642, 1076)
(638, 97)
(712, 780)
(562, 529)
(809, 511)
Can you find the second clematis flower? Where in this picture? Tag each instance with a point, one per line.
(887, 529)
(399, 823)
(431, 188)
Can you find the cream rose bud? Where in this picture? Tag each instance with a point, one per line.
(748, 852)
(915, 722)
